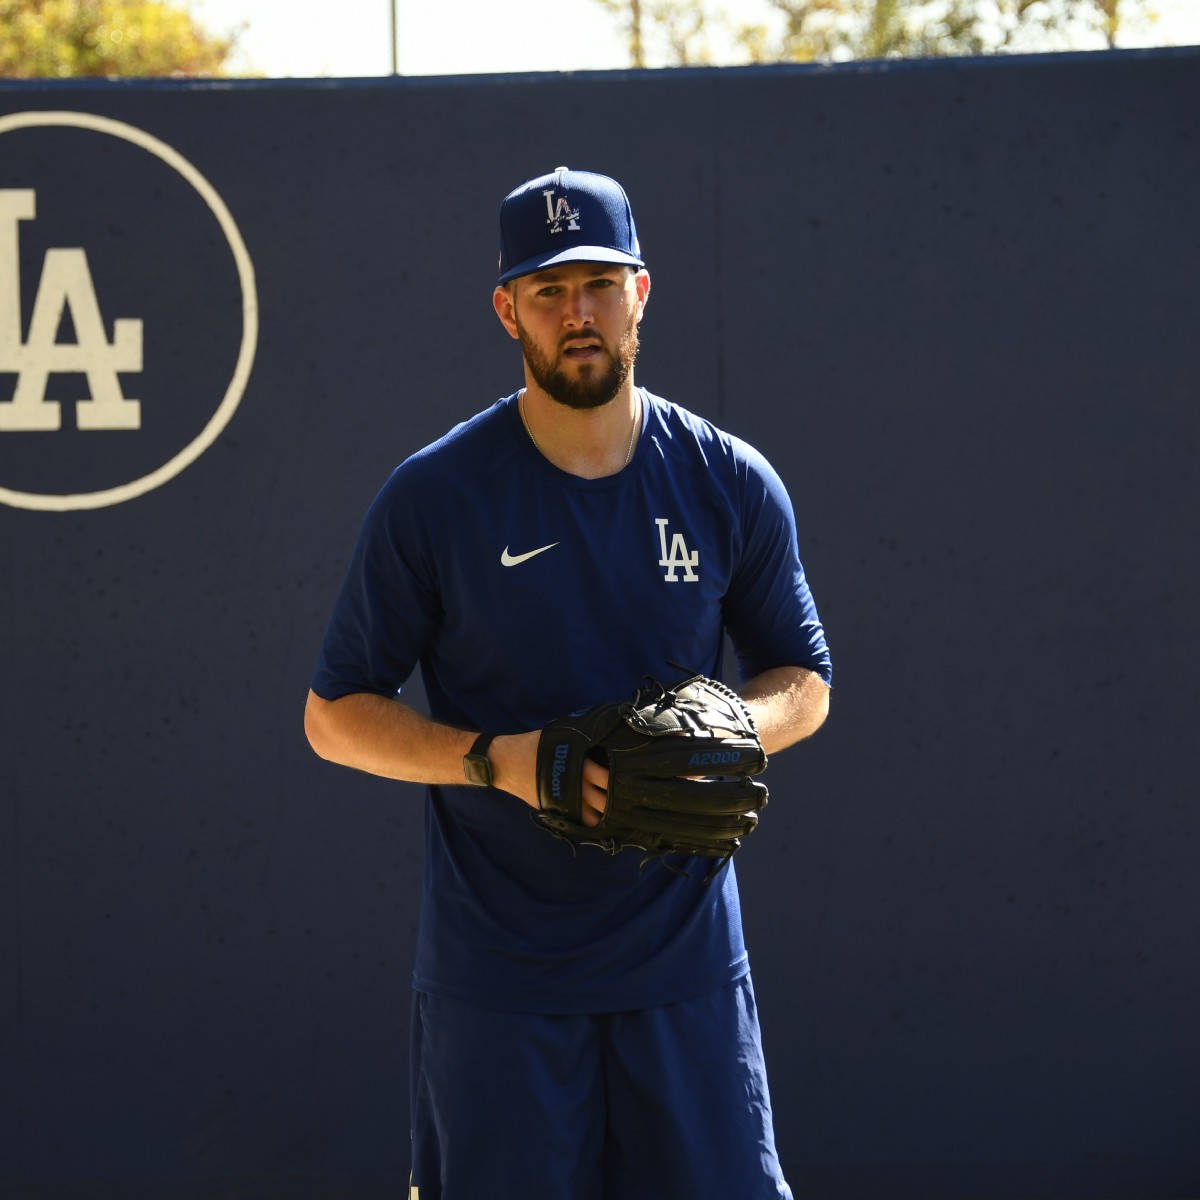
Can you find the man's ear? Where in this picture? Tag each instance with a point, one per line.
(641, 281)
(505, 304)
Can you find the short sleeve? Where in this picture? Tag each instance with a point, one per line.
(770, 613)
(388, 607)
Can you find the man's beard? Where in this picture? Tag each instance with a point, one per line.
(587, 389)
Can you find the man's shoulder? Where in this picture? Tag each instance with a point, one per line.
(691, 433)
(483, 434)
(676, 416)
(474, 445)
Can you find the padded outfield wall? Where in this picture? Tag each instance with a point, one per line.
(956, 305)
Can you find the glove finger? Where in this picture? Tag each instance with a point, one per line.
(670, 828)
(728, 796)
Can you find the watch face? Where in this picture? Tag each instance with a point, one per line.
(478, 768)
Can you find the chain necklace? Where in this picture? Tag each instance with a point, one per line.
(632, 433)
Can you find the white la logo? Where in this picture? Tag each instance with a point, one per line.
(679, 556)
(66, 284)
(66, 281)
(557, 214)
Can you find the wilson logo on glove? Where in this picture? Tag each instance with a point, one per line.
(558, 770)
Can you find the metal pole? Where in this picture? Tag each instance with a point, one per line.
(395, 42)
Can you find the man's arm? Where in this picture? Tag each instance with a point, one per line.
(382, 736)
(788, 704)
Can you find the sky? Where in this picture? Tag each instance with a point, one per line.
(352, 38)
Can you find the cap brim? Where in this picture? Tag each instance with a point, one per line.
(604, 254)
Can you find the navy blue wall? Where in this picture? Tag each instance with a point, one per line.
(955, 304)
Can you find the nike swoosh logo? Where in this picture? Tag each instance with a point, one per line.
(512, 560)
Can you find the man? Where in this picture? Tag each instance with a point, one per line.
(583, 1026)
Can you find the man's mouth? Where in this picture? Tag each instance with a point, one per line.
(582, 350)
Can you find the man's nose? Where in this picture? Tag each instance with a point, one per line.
(578, 309)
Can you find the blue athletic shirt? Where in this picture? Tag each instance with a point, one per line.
(525, 593)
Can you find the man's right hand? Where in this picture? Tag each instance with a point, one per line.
(514, 769)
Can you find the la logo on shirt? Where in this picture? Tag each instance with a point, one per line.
(678, 557)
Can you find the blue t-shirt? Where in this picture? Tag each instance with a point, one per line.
(525, 593)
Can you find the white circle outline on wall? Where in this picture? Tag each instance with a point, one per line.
(245, 360)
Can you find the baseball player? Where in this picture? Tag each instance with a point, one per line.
(583, 1024)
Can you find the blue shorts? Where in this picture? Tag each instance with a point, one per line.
(660, 1104)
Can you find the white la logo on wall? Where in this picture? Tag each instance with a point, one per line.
(556, 214)
(679, 557)
(66, 285)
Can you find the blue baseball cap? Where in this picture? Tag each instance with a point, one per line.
(566, 216)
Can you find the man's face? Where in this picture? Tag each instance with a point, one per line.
(578, 328)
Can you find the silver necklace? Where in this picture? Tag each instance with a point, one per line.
(632, 433)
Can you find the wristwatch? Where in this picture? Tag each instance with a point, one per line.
(476, 764)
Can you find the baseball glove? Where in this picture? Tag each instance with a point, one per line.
(679, 759)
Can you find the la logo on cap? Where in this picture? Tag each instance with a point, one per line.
(556, 214)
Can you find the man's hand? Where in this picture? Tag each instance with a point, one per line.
(514, 769)
(595, 793)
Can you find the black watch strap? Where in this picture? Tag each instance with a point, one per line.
(476, 764)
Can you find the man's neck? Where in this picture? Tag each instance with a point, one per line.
(588, 442)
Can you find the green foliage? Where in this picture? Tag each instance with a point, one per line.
(62, 38)
(677, 25)
(837, 30)
(847, 29)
